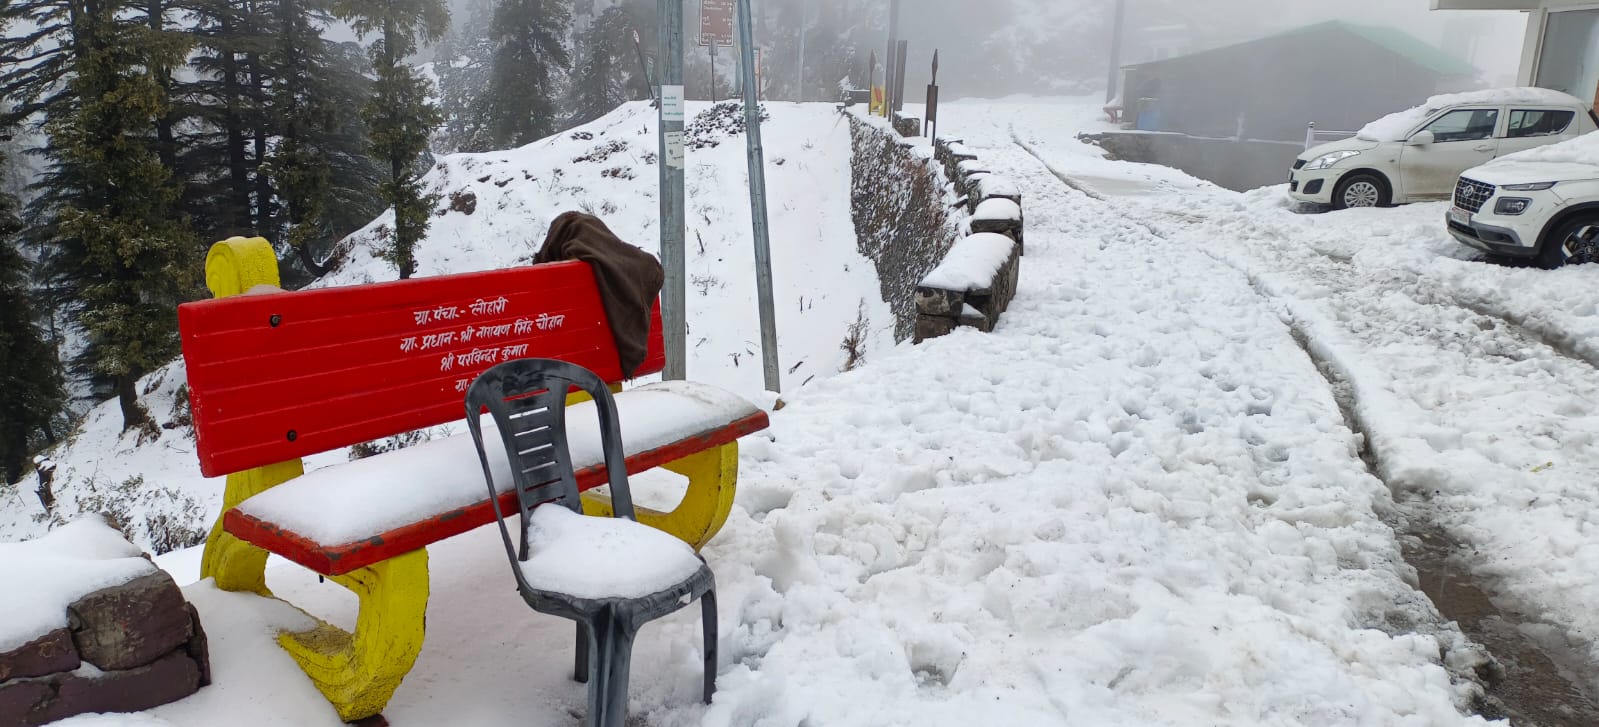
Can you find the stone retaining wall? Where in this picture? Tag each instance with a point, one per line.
(911, 202)
(995, 204)
(126, 648)
(905, 211)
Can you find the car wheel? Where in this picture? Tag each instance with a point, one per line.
(1360, 190)
(1574, 242)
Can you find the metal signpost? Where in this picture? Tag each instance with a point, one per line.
(757, 169)
(674, 303)
(888, 61)
(898, 94)
(931, 127)
(716, 30)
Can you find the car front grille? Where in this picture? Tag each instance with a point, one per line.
(1470, 194)
(1299, 163)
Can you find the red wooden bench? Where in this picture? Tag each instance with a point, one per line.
(274, 376)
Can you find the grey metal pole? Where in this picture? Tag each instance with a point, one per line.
(889, 69)
(800, 95)
(1116, 52)
(757, 167)
(674, 301)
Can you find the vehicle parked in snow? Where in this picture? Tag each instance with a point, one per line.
(1418, 154)
(1540, 205)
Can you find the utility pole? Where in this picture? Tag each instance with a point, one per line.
(674, 302)
(757, 170)
(1116, 52)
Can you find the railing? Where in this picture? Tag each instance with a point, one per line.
(1314, 136)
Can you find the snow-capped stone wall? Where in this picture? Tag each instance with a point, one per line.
(976, 281)
(101, 629)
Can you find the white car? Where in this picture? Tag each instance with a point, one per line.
(1416, 155)
(1541, 205)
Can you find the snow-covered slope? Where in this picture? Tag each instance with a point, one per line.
(493, 212)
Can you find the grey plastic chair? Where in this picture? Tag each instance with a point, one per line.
(527, 399)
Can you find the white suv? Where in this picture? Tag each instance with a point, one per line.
(1416, 155)
(1540, 205)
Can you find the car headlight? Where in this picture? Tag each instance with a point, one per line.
(1512, 206)
(1534, 187)
(1326, 161)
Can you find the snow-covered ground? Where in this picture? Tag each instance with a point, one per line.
(1137, 502)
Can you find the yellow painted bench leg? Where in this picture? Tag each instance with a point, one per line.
(359, 672)
(235, 564)
(712, 482)
(232, 267)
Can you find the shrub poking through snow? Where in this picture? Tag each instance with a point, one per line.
(723, 120)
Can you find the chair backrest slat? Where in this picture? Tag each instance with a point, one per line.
(527, 400)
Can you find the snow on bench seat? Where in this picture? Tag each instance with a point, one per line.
(337, 519)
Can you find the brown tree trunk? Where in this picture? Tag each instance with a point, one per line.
(133, 413)
(238, 173)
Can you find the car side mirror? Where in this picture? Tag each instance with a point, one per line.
(1422, 139)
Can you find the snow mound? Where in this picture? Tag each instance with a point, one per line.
(1581, 150)
(1397, 126)
(40, 578)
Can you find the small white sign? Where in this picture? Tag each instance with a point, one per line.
(674, 149)
(671, 103)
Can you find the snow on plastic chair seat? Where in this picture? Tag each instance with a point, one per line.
(599, 558)
(340, 518)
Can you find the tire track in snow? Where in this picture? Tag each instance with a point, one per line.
(1428, 292)
(1530, 683)
(1550, 337)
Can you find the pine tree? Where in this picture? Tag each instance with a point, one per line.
(600, 83)
(225, 113)
(529, 54)
(124, 253)
(30, 378)
(319, 170)
(399, 117)
(462, 65)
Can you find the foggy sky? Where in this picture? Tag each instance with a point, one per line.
(971, 31)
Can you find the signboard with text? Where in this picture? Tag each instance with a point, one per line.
(281, 375)
(716, 23)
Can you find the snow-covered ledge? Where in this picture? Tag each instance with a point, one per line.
(1002, 216)
(972, 287)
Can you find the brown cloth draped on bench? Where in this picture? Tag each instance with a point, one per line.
(629, 279)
